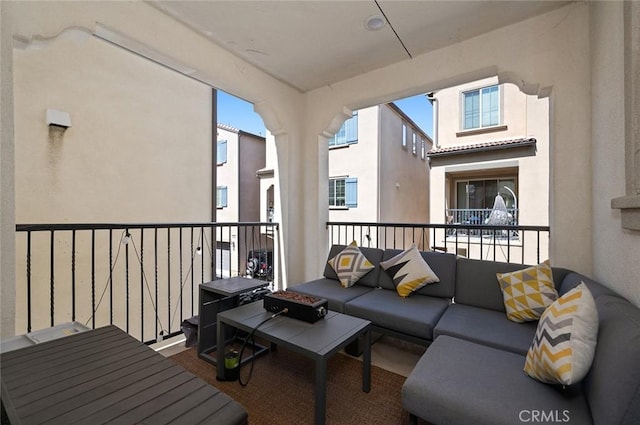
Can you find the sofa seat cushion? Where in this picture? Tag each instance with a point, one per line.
(416, 315)
(487, 327)
(332, 291)
(460, 382)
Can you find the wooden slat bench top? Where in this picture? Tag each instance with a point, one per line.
(105, 376)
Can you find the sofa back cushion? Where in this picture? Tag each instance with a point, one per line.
(443, 265)
(374, 255)
(573, 279)
(612, 386)
(477, 283)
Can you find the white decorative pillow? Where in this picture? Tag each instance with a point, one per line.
(565, 342)
(528, 292)
(409, 271)
(350, 265)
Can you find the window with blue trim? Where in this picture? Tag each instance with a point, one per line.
(481, 108)
(348, 133)
(343, 192)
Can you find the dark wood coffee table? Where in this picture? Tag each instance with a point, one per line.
(318, 341)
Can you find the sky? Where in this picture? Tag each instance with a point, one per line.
(239, 113)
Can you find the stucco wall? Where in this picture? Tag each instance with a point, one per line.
(404, 177)
(359, 160)
(7, 169)
(616, 259)
(140, 136)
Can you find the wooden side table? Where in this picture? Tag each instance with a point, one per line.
(215, 297)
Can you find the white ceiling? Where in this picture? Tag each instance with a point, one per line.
(310, 44)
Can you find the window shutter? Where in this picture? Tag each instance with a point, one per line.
(351, 192)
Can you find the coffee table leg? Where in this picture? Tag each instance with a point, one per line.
(366, 362)
(321, 390)
(220, 340)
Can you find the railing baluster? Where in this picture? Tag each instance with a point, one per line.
(126, 274)
(93, 278)
(52, 260)
(142, 286)
(111, 276)
(29, 323)
(168, 283)
(73, 275)
(156, 276)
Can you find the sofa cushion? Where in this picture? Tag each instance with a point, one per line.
(415, 316)
(331, 290)
(527, 292)
(409, 271)
(476, 282)
(459, 382)
(563, 348)
(612, 385)
(374, 255)
(486, 327)
(443, 265)
(350, 265)
(572, 279)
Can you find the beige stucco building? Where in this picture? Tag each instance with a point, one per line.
(378, 170)
(239, 156)
(492, 139)
(578, 55)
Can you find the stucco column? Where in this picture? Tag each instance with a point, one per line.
(7, 180)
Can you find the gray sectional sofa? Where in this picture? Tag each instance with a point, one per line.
(472, 371)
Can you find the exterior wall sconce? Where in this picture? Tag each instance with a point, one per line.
(58, 118)
(58, 122)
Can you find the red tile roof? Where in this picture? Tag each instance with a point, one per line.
(482, 147)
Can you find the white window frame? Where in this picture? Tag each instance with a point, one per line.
(350, 197)
(348, 133)
(404, 136)
(221, 147)
(222, 197)
(481, 107)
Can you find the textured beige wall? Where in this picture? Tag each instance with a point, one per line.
(139, 149)
(359, 160)
(616, 259)
(7, 169)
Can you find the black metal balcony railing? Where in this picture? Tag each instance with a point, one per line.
(476, 216)
(141, 277)
(516, 244)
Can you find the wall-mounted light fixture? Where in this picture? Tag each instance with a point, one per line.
(58, 118)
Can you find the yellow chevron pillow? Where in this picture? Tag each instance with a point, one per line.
(350, 265)
(409, 271)
(565, 343)
(527, 292)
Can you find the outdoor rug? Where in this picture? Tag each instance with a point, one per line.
(281, 390)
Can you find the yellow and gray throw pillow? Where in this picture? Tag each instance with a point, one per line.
(409, 271)
(528, 292)
(565, 342)
(350, 265)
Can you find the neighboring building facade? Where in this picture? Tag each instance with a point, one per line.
(491, 139)
(378, 170)
(239, 155)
